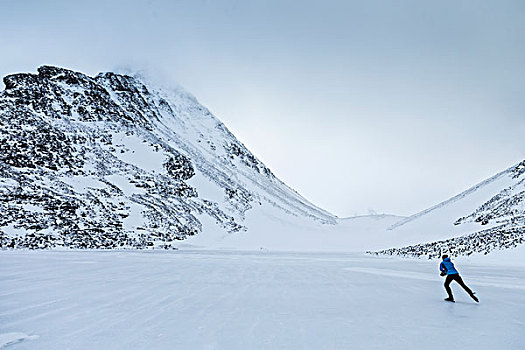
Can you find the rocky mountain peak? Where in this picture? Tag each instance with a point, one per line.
(110, 162)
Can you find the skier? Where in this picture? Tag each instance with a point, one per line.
(447, 268)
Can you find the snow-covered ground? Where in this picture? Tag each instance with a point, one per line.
(256, 300)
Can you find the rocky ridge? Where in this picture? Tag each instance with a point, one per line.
(504, 212)
(112, 162)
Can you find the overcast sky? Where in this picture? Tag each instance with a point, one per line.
(391, 106)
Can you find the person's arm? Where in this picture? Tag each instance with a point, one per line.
(443, 269)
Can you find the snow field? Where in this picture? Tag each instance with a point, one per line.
(256, 300)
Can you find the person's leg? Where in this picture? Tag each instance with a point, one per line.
(458, 279)
(447, 286)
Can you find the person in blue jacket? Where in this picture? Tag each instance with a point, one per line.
(447, 268)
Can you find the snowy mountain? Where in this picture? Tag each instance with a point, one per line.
(112, 161)
(486, 217)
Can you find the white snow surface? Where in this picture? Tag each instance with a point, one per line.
(252, 300)
(138, 152)
(270, 228)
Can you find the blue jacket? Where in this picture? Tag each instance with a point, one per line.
(448, 266)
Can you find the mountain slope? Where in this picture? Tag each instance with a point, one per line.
(488, 216)
(114, 162)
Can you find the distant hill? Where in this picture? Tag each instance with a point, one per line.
(488, 216)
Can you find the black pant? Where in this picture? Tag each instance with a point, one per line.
(455, 277)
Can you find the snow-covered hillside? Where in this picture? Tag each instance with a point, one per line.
(112, 161)
(488, 216)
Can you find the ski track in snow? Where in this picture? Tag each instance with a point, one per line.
(7, 339)
(241, 300)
